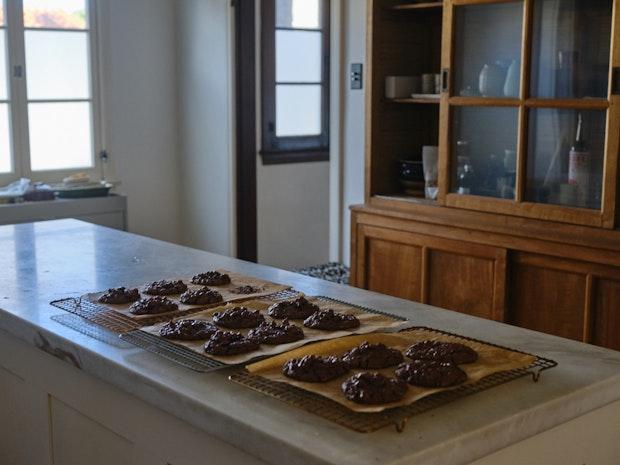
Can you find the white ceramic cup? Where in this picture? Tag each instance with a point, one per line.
(428, 83)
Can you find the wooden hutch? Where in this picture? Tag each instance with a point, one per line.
(527, 234)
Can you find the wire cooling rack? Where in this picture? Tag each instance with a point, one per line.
(202, 362)
(399, 416)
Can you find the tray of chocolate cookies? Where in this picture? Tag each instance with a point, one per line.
(368, 381)
(126, 308)
(236, 333)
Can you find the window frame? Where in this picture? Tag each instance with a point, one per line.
(291, 149)
(18, 96)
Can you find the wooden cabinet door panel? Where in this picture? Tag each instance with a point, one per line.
(394, 269)
(606, 327)
(464, 283)
(447, 273)
(547, 296)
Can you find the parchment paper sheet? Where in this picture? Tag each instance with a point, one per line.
(491, 360)
(370, 322)
(236, 280)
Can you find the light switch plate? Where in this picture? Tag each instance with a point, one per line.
(356, 76)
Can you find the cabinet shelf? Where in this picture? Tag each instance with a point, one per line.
(417, 100)
(416, 6)
(406, 198)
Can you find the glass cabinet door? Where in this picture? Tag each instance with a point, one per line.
(570, 49)
(484, 147)
(527, 108)
(487, 49)
(570, 65)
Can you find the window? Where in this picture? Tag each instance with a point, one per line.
(47, 88)
(295, 80)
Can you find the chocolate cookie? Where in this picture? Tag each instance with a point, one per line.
(431, 373)
(188, 330)
(331, 321)
(297, 309)
(153, 306)
(273, 333)
(245, 290)
(238, 317)
(230, 343)
(119, 295)
(165, 287)
(374, 356)
(373, 388)
(315, 369)
(202, 296)
(211, 278)
(442, 351)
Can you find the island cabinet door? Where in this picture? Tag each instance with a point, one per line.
(567, 298)
(457, 275)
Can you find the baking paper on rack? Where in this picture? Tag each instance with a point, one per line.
(265, 288)
(369, 322)
(491, 360)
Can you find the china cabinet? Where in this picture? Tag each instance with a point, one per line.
(522, 228)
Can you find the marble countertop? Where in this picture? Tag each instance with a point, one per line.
(41, 262)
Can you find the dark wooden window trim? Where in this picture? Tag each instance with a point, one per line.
(276, 150)
(245, 63)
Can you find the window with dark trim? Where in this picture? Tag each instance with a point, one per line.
(295, 80)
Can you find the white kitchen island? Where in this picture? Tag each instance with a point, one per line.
(67, 398)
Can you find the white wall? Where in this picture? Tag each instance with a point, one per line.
(167, 91)
(292, 203)
(293, 214)
(354, 48)
(138, 67)
(205, 55)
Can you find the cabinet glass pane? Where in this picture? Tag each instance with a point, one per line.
(565, 168)
(5, 139)
(483, 151)
(570, 54)
(57, 65)
(56, 14)
(298, 14)
(60, 135)
(298, 110)
(487, 49)
(298, 56)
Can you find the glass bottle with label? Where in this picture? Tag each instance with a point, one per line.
(579, 166)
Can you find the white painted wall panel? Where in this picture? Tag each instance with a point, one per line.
(353, 108)
(139, 86)
(205, 133)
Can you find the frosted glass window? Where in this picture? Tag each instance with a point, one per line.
(303, 14)
(298, 110)
(5, 139)
(3, 83)
(57, 65)
(57, 14)
(298, 56)
(60, 135)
